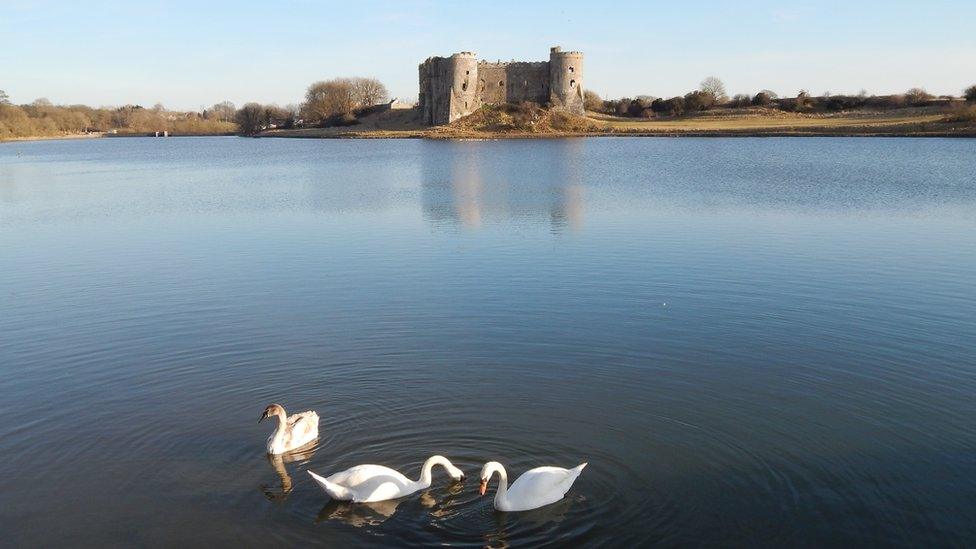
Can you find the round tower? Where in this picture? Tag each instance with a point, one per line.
(464, 85)
(566, 79)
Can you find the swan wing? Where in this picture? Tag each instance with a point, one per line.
(360, 474)
(371, 483)
(541, 486)
(302, 428)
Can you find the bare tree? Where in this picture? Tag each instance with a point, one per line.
(369, 92)
(917, 96)
(329, 98)
(592, 101)
(4, 98)
(714, 87)
(223, 111)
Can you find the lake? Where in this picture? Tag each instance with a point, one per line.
(751, 341)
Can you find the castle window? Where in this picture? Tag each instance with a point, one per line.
(469, 72)
(572, 83)
(464, 86)
(501, 83)
(571, 69)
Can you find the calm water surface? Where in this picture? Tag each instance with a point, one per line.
(752, 341)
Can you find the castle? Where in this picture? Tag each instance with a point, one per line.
(456, 86)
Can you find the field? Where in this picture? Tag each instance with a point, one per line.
(725, 122)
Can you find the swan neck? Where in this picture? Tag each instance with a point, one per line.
(279, 433)
(502, 492)
(426, 475)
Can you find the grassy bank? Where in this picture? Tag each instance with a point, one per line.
(495, 123)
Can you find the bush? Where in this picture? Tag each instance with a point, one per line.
(524, 114)
(762, 99)
(592, 102)
(965, 115)
(699, 101)
(970, 94)
(917, 96)
(675, 106)
(740, 100)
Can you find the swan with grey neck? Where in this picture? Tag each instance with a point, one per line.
(371, 483)
(293, 431)
(535, 488)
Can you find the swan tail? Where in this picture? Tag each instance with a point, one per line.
(334, 490)
(574, 474)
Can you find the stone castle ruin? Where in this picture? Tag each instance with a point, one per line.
(456, 86)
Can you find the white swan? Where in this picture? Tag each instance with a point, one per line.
(535, 488)
(293, 431)
(370, 483)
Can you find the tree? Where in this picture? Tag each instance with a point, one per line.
(917, 96)
(676, 106)
(698, 101)
(250, 118)
(803, 100)
(740, 100)
(329, 98)
(762, 99)
(592, 101)
(5, 99)
(970, 94)
(714, 87)
(223, 111)
(369, 92)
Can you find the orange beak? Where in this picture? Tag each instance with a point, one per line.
(484, 486)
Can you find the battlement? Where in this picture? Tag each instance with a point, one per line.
(520, 64)
(456, 86)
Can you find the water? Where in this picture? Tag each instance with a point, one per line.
(751, 341)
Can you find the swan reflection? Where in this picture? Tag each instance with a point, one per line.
(359, 514)
(278, 462)
(375, 513)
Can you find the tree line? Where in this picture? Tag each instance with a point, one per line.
(335, 102)
(340, 101)
(711, 94)
(41, 118)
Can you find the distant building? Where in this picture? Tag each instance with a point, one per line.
(456, 86)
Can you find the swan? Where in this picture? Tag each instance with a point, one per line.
(293, 431)
(535, 488)
(371, 483)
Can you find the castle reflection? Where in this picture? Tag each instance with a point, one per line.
(473, 188)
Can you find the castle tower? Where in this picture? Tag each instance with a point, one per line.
(448, 88)
(566, 79)
(464, 85)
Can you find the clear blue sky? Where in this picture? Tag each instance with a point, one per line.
(192, 54)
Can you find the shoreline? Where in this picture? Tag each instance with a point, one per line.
(459, 134)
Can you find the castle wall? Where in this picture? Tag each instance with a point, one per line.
(459, 85)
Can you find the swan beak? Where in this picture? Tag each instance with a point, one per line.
(484, 486)
(264, 415)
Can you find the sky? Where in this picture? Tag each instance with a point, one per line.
(189, 55)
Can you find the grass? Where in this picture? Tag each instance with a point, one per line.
(495, 122)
